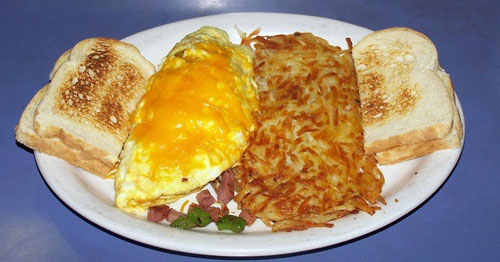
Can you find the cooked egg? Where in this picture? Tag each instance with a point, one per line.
(193, 122)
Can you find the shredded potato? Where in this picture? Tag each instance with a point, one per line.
(306, 164)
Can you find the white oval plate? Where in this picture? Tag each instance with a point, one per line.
(407, 185)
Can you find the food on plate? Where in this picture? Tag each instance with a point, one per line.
(232, 223)
(193, 122)
(83, 114)
(224, 185)
(204, 212)
(306, 165)
(407, 99)
(452, 140)
(52, 146)
(302, 158)
(196, 217)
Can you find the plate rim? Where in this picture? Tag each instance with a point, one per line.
(115, 228)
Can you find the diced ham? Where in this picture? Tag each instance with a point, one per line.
(193, 205)
(214, 213)
(249, 219)
(205, 199)
(226, 188)
(173, 215)
(224, 210)
(158, 213)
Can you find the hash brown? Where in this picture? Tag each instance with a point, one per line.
(306, 163)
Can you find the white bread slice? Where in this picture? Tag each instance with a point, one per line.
(452, 140)
(26, 135)
(403, 100)
(93, 91)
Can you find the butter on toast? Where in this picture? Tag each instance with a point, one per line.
(88, 103)
(450, 141)
(403, 99)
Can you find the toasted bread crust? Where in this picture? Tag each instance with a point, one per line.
(63, 58)
(84, 150)
(56, 148)
(436, 131)
(403, 153)
(26, 135)
(452, 140)
(457, 133)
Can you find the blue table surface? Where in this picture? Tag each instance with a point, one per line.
(461, 222)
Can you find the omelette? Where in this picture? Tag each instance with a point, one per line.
(193, 122)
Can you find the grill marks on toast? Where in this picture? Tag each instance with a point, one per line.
(403, 99)
(111, 113)
(81, 99)
(80, 87)
(84, 114)
(400, 97)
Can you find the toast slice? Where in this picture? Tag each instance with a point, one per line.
(403, 99)
(452, 140)
(88, 103)
(26, 135)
